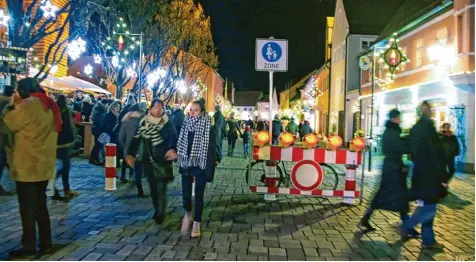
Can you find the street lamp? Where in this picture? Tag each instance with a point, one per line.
(441, 54)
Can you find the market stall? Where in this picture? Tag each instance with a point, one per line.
(83, 85)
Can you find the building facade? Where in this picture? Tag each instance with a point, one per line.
(439, 45)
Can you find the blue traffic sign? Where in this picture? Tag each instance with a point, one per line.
(271, 52)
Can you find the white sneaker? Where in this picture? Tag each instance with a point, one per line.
(196, 229)
(185, 223)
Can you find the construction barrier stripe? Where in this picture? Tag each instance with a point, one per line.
(294, 191)
(320, 155)
(111, 150)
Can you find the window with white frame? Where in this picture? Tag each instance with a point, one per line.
(365, 44)
(419, 52)
(442, 35)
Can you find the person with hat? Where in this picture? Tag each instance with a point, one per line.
(393, 194)
(35, 121)
(4, 139)
(219, 128)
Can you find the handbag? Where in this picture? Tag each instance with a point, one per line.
(163, 173)
(104, 139)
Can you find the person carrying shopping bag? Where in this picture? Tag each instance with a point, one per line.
(155, 146)
(198, 156)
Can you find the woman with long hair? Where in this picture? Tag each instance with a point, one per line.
(66, 140)
(198, 156)
(232, 128)
(158, 137)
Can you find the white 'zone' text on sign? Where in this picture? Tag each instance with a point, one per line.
(271, 55)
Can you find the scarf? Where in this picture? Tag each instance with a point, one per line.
(48, 103)
(200, 126)
(150, 127)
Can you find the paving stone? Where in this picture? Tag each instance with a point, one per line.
(111, 257)
(211, 256)
(277, 252)
(93, 257)
(258, 250)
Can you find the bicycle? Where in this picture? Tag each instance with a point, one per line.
(285, 178)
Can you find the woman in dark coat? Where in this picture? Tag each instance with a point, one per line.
(393, 194)
(65, 142)
(198, 156)
(159, 142)
(232, 129)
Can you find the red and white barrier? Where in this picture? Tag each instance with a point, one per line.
(307, 175)
(296, 154)
(270, 179)
(110, 167)
(295, 191)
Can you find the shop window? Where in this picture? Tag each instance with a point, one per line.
(403, 66)
(419, 52)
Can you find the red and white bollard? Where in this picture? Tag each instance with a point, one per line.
(270, 179)
(349, 186)
(110, 167)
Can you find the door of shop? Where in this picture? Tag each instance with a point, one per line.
(341, 120)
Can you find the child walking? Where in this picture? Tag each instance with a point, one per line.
(246, 141)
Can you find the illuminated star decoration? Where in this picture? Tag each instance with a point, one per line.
(88, 69)
(130, 72)
(4, 18)
(76, 48)
(155, 76)
(115, 61)
(97, 59)
(49, 10)
(393, 56)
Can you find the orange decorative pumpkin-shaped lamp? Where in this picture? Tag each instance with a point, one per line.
(310, 140)
(286, 139)
(261, 138)
(357, 144)
(334, 142)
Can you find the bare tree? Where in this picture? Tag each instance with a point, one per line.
(33, 21)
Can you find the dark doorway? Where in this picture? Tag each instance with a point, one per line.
(341, 121)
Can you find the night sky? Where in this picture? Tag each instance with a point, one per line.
(237, 23)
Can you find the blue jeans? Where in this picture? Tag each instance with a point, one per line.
(200, 184)
(64, 155)
(424, 215)
(3, 163)
(246, 149)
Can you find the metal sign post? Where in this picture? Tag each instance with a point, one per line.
(271, 56)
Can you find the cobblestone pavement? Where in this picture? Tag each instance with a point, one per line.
(237, 225)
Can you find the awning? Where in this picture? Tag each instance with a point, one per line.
(51, 82)
(83, 85)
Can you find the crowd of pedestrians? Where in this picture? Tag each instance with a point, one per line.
(433, 155)
(36, 131)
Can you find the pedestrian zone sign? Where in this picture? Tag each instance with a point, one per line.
(271, 55)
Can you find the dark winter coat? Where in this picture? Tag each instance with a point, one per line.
(108, 124)
(277, 128)
(170, 138)
(246, 137)
(97, 116)
(129, 126)
(67, 136)
(178, 116)
(5, 139)
(86, 110)
(450, 145)
(219, 126)
(305, 129)
(393, 194)
(123, 112)
(213, 156)
(233, 128)
(427, 158)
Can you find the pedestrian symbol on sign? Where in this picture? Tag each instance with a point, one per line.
(271, 52)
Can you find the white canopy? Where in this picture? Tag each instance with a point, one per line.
(80, 84)
(52, 82)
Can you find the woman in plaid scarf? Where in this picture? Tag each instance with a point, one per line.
(198, 155)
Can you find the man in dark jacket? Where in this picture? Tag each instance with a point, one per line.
(277, 129)
(219, 128)
(305, 129)
(97, 116)
(393, 194)
(178, 116)
(451, 148)
(428, 180)
(4, 139)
